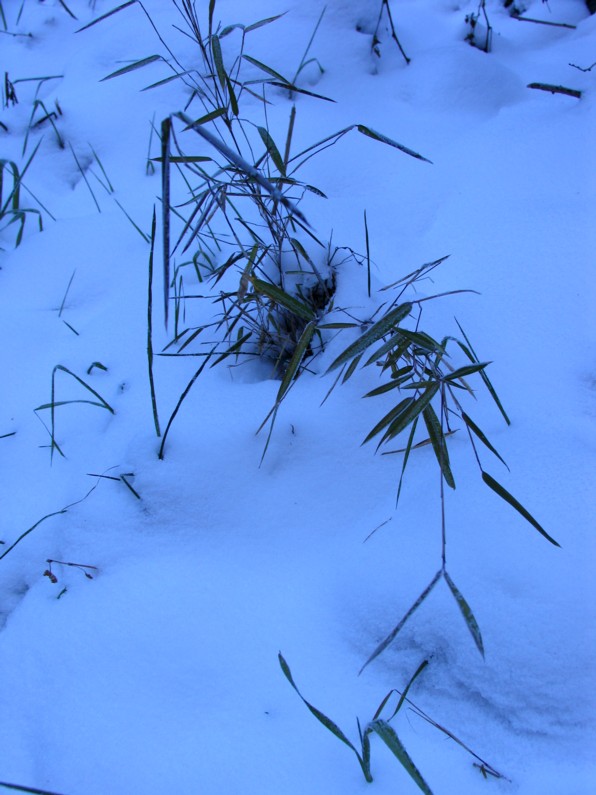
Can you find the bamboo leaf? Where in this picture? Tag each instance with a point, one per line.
(264, 68)
(395, 383)
(469, 369)
(505, 495)
(218, 59)
(294, 89)
(403, 695)
(351, 369)
(389, 736)
(389, 417)
(466, 612)
(409, 447)
(391, 637)
(215, 114)
(20, 787)
(389, 141)
(411, 412)
(279, 296)
(476, 430)
(296, 359)
(439, 445)
(374, 333)
(327, 722)
(108, 14)
(272, 150)
(232, 96)
(132, 67)
(471, 353)
(263, 22)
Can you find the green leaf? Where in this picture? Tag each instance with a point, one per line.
(232, 96)
(293, 88)
(133, 66)
(264, 68)
(395, 383)
(387, 347)
(279, 296)
(385, 140)
(402, 696)
(439, 444)
(391, 637)
(471, 354)
(351, 369)
(412, 411)
(263, 22)
(505, 495)
(272, 150)
(19, 787)
(327, 722)
(387, 733)
(215, 114)
(108, 14)
(374, 333)
(469, 369)
(218, 59)
(407, 451)
(476, 430)
(422, 340)
(466, 612)
(296, 359)
(389, 417)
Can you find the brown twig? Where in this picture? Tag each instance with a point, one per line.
(569, 92)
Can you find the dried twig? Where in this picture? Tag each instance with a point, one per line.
(569, 92)
(545, 22)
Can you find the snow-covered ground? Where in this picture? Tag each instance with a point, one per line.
(160, 674)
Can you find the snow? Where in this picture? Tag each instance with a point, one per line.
(160, 674)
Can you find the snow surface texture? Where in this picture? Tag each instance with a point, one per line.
(160, 675)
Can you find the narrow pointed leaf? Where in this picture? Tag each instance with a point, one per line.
(392, 635)
(218, 59)
(505, 495)
(462, 372)
(389, 736)
(283, 299)
(466, 612)
(133, 66)
(471, 353)
(327, 722)
(374, 333)
(409, 447)
(351, 369)
(272, 150)
(389, 417)
(232, 96)
(108, 14)
(412, 411)
(263, 22)
(385, 140)
(215, 114)
(296, 359)
(476, 430)
(264, 68)
(439, 445)
(293, 88)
